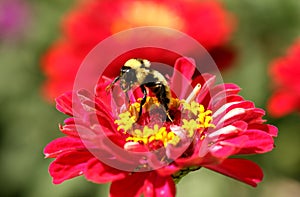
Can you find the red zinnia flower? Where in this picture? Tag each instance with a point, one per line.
(210, 125)
(93, 21)
(285, 72)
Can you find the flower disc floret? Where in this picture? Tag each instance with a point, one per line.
(196, 119)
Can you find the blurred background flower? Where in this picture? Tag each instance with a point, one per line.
(285, 73)
(264, 32)
(14, 15)
(92, 21)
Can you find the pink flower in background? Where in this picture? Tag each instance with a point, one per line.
(210, 124)
(285, 72)
(13, 16)
(91, 22)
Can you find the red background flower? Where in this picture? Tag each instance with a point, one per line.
(285, 73)
(92, 21)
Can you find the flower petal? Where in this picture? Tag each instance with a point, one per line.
(240, 169)
(69, 104)
(69, 165)
(100, 173)
(183, 71)
(270, 129)
(226, 148)
(130, 186)
(258, 142)
(168, 170)
(232, 112)
(207, 81)
(157, 186)
(64, 103)
(224, 93)
(63, 145)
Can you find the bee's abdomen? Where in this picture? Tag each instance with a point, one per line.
(161, 92)
(156, 82)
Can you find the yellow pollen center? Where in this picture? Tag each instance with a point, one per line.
(147, 13)
(149, 135)
(202, 118)
(194, 120)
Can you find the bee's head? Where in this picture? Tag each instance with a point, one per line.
(128, 72)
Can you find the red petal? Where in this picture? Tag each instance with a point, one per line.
(282, 103)
(218, 102)
(224, 93)
(258, 142)
(270, 129)
(100, 173)
(76, 128)
(183, 71)
(228, 131)
(100, 91)
(228, 88)
(70, 128)
(238, 111)
(64, 103)
(158, 186)
(240, 169)
(69, 103)
(168, 170)
(69, 165)
(226, 148)
(63, 145)
(131, 186)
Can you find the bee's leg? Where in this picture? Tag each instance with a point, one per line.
(127, 97)
(112, 84)
(143, 100)
(160, 91)
(169, 117)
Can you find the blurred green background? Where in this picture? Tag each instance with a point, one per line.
(27, 122)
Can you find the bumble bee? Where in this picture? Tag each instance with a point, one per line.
(137, 72)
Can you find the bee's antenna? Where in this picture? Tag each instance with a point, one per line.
(112, 83)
